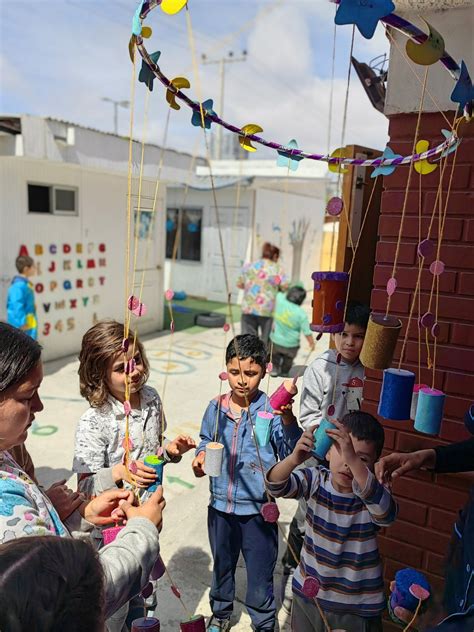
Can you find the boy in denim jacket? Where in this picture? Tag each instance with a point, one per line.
(235, 523)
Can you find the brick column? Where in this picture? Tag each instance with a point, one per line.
(428, 503)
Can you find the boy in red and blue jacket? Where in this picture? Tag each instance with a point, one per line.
(235, 522)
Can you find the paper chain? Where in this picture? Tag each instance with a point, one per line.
(393, 20)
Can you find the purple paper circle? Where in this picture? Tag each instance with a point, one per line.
(147, 591)
(435, 330)
(391, 286)
(340, 305)
(327, 319)
(425, 248)
(335, 206)
(331, 410)
(437, 267)
(125, 345)
(427, 320)
(317, 286)
(330, 276)
(338, 358)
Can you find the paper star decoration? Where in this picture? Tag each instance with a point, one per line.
(286, 159)
(449, 134)
(463, 92)
(388, 169)
(146, 75)
(365, 14)
(196, 118)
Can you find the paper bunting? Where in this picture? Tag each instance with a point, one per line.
(171, 7)
(365, 15)
(178, 83)
(463, 92)
(146, 75)
(196, 118)
(423, 166)
(250, 128)
(428, 52)
(386, 170)
(448, 134)
(335, 167)
(286, 159)
(136, 21)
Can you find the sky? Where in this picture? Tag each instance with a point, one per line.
(59, 58)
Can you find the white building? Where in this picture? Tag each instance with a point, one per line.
(64, 202)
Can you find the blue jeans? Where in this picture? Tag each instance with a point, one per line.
(229, 535)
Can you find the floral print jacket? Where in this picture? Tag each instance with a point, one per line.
(261, 281)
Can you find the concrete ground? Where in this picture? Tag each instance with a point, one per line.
(185, 374)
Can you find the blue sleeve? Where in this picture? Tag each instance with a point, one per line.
(208, 427)
(16, 305)
(284, 438)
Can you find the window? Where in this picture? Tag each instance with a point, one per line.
(57, 200)
(183, 233)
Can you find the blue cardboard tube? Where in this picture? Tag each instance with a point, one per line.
(396, 395)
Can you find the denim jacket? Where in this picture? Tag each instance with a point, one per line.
(240, 488)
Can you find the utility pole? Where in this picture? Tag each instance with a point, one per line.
(116, 104)
(230, 59)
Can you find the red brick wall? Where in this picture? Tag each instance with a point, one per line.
(428, 503)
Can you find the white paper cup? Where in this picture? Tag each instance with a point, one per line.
(214, 456)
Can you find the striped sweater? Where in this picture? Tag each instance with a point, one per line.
(340, 545)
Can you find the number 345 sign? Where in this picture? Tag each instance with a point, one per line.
(59, 326)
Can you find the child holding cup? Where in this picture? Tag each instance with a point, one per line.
(240, 439)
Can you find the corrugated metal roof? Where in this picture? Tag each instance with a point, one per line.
(203, 183)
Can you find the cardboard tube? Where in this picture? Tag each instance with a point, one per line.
(283, 395)
(414, 399)
(380, 341)
(195, 624)
(322, 442)
(157, 464)
(214, 456)
(110, 534)
(429, 412)
(146, 624)
(263, 428)
(396, 394)
(329, 298)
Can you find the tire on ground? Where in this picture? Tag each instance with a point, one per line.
(210, 320)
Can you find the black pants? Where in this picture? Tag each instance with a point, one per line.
(282, 359)
(250, 324)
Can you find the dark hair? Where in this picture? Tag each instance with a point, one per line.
(296, 295)
(22, 262)
(247, 346)
(100, 343)
(357, 314)
(365, 427)
(19, 354)
(269, 251)
(50, 584)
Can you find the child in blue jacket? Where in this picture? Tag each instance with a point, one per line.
(235, 522)
(21, 308)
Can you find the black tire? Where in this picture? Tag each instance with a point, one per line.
(210, 320)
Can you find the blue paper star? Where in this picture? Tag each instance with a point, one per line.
(386, 170)
(146, 74)
(448, 134)
(286, 159)
(196, 119)
(136, 22)
(365, 14)
(463, 92)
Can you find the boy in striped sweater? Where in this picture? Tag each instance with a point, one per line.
(346, 505)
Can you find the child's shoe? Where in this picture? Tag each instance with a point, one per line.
(218, 625)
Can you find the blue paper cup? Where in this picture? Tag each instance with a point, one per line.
(322, 442)
(263, 428)
(157, 464)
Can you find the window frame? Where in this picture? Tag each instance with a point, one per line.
(180, 211)
(52, 188)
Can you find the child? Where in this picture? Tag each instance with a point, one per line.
(290, 320)
(235, 523)
(21, 308)
(345, 506)
(323, 384)
(100, 436)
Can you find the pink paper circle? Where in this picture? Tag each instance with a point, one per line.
(172, 326)
(269, 367)
(133, 303)
(391, 286)
(435, 330)
(133, 467)
(419, 592)
(334, 206)
(140, 310)
(169, 295)
(338, 358)
(437, 267)
(147, 591)
(130, 366)
(125, 345)
(175, 591)
(425, 248)
(428, 320)
(127, 409)
(223, 376)
(226, 327)
(331, 410)
(270, 512)
(310, 587)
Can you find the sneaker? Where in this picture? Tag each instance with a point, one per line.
(286, 591)
(218, 625)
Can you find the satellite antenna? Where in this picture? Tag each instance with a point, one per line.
(373, 77)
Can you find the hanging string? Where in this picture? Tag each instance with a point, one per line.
(405, 200)
(331, 90)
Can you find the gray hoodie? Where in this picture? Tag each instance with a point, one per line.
(318, 385)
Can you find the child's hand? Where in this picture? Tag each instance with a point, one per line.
(140, 474)
(101, 510)
(64, 500)
(180, 445)
(198, 465)
(286, 412)
(304, 447)
(343, 442)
